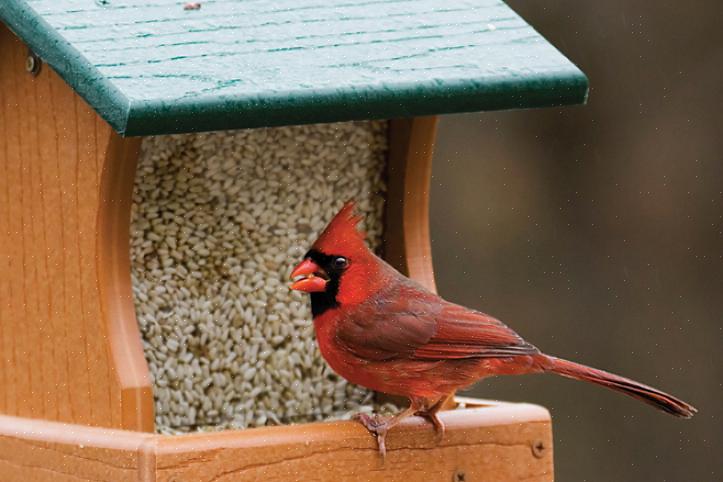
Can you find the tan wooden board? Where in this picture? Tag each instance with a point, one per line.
(497, 442)
(61, 355)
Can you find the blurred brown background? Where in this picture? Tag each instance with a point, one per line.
(597, 233)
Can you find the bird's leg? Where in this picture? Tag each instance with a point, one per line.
(430, 413)
(379, 426)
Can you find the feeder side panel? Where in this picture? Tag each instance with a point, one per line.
(56, 358)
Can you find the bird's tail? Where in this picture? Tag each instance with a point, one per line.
(656, 398)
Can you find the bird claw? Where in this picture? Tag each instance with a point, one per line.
(370, 422)
(382, 444)
(377, 426)
(434, 419)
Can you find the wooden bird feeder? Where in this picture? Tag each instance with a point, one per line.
(83, 87)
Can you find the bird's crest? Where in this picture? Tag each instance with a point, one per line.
(341, 235)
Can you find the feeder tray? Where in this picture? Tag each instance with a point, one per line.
(84, 86)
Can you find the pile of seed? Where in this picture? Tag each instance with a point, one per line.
(218, 222)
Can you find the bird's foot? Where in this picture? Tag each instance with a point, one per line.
(377, 426)
(370, 422)
(433, 417)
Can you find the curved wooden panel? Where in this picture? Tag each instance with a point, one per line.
(114, 271)
(406, 234)
(59, 354)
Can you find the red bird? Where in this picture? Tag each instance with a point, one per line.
(381, 330)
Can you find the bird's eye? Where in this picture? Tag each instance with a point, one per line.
(340, 262)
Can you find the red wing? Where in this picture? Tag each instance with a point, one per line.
(409, 322)
(385, 330)
(464, 333)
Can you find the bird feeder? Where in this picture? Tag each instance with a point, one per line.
(162, 167)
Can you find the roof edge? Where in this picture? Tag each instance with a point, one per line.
(154, 117)
(70, 64)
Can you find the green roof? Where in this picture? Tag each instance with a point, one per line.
(152, 67)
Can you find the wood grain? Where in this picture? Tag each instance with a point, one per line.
(60, 354)
(34, 450)
(151, 67)
(495, 442)
(114, 281)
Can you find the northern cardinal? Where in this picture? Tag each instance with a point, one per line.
(381, 330)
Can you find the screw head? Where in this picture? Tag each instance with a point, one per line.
(459, 476)
(538, 448)
(32, 64)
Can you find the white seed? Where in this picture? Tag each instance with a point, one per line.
(219, 220)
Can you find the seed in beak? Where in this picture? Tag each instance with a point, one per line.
(309, 277)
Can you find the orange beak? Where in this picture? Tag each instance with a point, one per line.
(312, 277)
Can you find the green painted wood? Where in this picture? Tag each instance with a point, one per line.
(151, 67)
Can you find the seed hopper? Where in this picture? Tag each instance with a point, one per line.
(161, 170)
